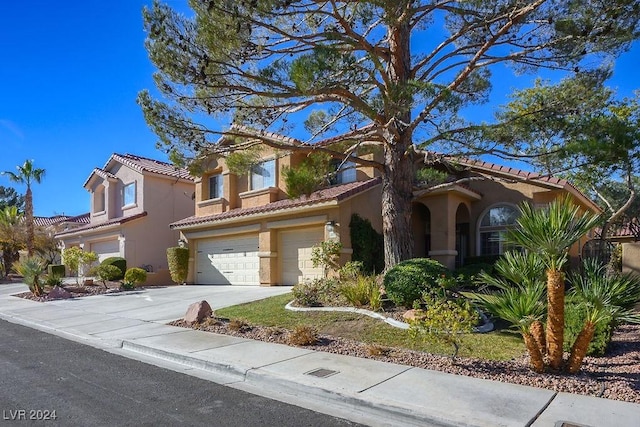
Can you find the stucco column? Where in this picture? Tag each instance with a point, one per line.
(443, 231)
(267, 244)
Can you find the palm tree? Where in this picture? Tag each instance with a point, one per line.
(11, 235)
(26, 174)
(549, 233)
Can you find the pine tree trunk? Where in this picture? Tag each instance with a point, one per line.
(555, 317)
(28, 211)
(580, 348)
(537, 332)
(535, 355)
(397, 179)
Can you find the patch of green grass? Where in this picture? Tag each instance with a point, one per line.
(497, 345)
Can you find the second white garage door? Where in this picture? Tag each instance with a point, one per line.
(295, 252)
(228, 261)
(106, 249)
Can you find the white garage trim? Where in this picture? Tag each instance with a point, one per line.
(106, 249)
(228, 261)
(295, 247)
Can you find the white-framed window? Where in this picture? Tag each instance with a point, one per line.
(345, 173)
(263, 175)
(492, 228)
(129, 194)
(215, 186)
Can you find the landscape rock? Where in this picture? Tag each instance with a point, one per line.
(413, 314)
(197, 312)
(59, 293)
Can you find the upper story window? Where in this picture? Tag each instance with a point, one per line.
(493, 226)
(99, 199)
(129, 194)
(263, 175)
(344, 172)
(215, 187)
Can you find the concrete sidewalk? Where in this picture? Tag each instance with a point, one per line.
(362, 390)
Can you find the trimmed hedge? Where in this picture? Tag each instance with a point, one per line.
(178, 260)
(135, 276)
(57, 270)
(406, 282)
(119, 262)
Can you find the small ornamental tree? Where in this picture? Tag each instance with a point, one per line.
(77, 260)
(178, 260)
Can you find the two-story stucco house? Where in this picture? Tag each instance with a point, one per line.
(133, 201)
(246, 230)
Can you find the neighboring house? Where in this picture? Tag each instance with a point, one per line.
(58, 223)
(247, 231)
(628, 236)
(133, 201)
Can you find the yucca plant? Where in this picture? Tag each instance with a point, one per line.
(549, 232)
(31, 268)
(607, 298)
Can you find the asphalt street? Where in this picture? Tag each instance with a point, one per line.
(47, 380)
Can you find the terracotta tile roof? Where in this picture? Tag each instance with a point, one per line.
(45, 221)
(335, 193)
(114, 221)
(144, 164)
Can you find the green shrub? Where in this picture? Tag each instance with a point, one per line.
(575, 315)
(362, 291)
(468, 273)
(133, 277)
(367, 245)
(119, 262)
(52, 280)
(56, 270)
(178, 260)
(351, 270)
(106, 272)
(407, 281)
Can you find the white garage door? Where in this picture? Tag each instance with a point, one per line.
(106, 249)
(295, 254)
(228, 261)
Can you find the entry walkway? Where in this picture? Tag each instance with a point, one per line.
(366, 391)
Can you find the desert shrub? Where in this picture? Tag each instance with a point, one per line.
(377, 350)
(238, 325)
(119, 262)
(57, 270)
(367, 245)
(351, 270)
(445, 321)
(362, 291)
(407, 281)
(52, 281)
(134, 276)
(303, 335)
(31, 269)
(575, 315)
(178, 260)
(314, 293)
(106, 272)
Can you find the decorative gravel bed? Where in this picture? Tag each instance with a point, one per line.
(77, 291)
(615, 376)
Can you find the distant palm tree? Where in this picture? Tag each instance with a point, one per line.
(549, 233)
(26, 174)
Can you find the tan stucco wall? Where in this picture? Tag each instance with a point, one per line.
(631, 257)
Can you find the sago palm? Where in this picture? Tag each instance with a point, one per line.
(549, 232)
(25, 175)
(522, 306)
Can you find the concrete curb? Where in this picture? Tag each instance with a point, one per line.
(376, 412)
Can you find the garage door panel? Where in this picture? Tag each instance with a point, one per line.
(296, 248)
(228, 261)
(106, 249)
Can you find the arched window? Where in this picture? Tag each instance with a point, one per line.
(493, 225)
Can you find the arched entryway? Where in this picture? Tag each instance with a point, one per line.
(462, 234)
(421, 229)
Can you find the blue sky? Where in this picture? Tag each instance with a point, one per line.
(70, 72)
